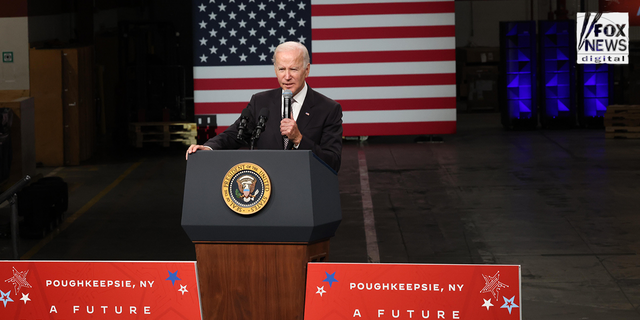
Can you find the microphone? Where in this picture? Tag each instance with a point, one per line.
(262, 119)
(244, 117)
(288, 95)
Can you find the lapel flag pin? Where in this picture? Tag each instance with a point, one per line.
(307, 113)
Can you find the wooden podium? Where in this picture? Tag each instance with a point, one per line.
(254, 266)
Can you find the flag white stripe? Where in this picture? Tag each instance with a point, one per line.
(390, 68)
(354, 93)
(323, 70)
(357, 93)
(366, 45)
(204, 96)
(380, 116)
(321, 2)
(383, 20)
(387, 116)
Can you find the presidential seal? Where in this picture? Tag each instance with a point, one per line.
(246, 188)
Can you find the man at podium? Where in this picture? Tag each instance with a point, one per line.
(313, 122)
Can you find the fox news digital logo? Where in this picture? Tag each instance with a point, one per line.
(602, 37)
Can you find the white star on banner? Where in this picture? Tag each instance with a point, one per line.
(25, 298)
(487, 303)
(320, 290)
(183, 289)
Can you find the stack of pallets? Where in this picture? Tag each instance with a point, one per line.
(622, 121)
(162, 133)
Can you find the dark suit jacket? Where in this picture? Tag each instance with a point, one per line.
(319, 121)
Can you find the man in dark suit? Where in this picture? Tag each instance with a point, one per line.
(316, 122)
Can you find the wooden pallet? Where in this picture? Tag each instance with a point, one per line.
(622, 135)
(162, 132)
(617, 108)
(622, 121)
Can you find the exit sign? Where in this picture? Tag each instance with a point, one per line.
(7, 57)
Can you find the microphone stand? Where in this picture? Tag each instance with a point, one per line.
(253, 138)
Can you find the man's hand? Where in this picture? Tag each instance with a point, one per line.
(289, 128)
(193, 148)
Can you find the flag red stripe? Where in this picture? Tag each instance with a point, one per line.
(383, 32)
(390, 129)
(398, 128)
(383, 80)
(331, 82)
(235, 84)
(202, 108)
(384, 56)
(381, 8)
(398, 104)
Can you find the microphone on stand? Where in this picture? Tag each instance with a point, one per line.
(288, 95)
(244, 118)
(262, 120)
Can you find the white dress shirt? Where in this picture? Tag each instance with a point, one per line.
(296, 104)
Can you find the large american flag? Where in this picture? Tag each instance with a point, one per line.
(390, 64)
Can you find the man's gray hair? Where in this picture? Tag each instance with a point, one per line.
(293, 45)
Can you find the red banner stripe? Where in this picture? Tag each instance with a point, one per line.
(383, 32)
(382, 8)
(331, 82)
(398, 104)
(383, 80)
(390, 129)
(384, 56)
(213, 108)
(399, 128)
(235, 84)
(347, 105)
